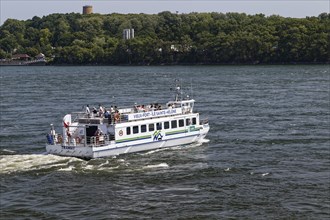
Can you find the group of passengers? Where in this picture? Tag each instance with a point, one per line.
(143, 108)
(111, 114)
(170, 106)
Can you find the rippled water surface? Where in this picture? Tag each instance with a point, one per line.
(266, 156)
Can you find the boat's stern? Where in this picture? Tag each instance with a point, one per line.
(70, 151)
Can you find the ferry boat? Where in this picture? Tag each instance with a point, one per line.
(128, 130)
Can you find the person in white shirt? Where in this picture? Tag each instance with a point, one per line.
(112, 110)
(101, 110)
(88, 112)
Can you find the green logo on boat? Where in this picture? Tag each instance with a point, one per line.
(157, 135)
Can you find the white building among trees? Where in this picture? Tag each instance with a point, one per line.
(128, 34)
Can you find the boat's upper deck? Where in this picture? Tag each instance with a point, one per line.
(136, 113)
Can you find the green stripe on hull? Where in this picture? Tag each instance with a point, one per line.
(133, 139)
(176, 132)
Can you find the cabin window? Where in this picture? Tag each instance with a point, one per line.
(181, 123)
(128, 130)
(159, 126)
(135, 129)
(188, 122)
(194, 121)
(166, 125)
(174, 124)
(151, 127)
(143, 128)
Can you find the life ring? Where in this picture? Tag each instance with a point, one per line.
(121, 133)
(77, 140)
(59, 139)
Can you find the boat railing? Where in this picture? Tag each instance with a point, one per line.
(121, 117)
(95, 119)
(77, 115)
(97, 141)
(80, 141)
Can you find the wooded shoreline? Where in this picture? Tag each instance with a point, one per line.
(169, 39)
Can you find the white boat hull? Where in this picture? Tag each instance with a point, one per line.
(114, 149)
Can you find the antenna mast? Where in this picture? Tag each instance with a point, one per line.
(177, 90)
(191, 89)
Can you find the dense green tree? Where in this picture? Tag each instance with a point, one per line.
(169, 38)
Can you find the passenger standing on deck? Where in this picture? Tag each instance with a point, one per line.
(94, 112)
(101, 110)
(106, 113)
(110, 118)
(117, 116)
(88, 112)
(112, 110)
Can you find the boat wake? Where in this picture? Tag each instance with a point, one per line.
(30, 162)
(48, 163)
(204, 141)
(155, 151)
(161, 165)
(7, 151)
(42, 163)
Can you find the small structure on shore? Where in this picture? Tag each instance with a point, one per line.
(22, 57)
(24, 60)
(87, 9)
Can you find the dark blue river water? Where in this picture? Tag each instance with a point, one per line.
(267, 154)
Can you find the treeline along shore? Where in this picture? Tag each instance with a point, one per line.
(169, 38)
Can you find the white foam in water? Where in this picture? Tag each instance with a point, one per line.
(28, 162)
(100, 167)
(197, 144)
(161, 165)
(265, 174)
(179, 147)
(89, 167)
(154, 151)
(70, 168)
(8, 151)
(105, 163)
(204, 141)
(108, 168)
